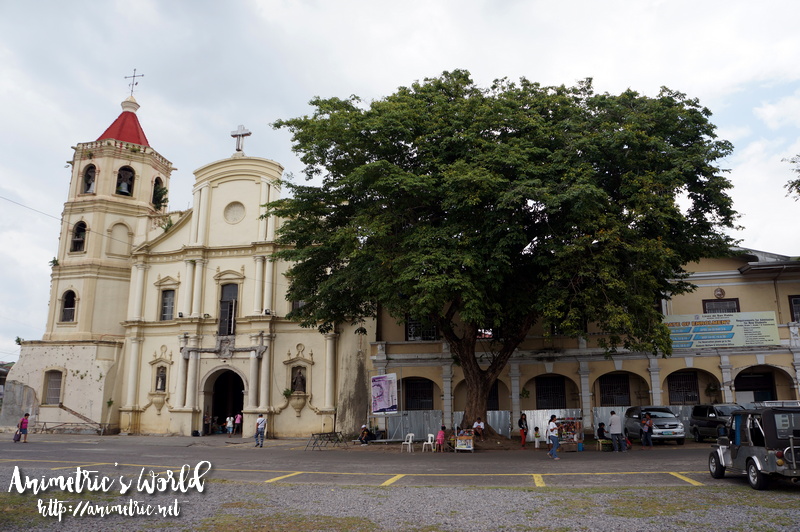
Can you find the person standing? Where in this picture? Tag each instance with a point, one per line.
(206, 424)
(261, 424)
(615, 429)
(237, 423)
(552, 436)
(523, 429)
(23, 427)
(647, 432)
(229, 425)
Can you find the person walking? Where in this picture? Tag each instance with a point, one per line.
(647, 432)
(237, 423)
(523, 429)
(261, 425)
(615, 429)
(552, 435)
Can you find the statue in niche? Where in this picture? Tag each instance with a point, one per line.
(161, 379)
(298, 380)
(88, 180)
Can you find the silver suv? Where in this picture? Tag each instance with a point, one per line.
(666, 425)
(761, 444)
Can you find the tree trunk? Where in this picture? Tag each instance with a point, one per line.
(479, 381)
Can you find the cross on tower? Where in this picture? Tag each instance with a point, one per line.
(133, 82)
(240, 134)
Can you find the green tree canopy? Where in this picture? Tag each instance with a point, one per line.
(473, 207)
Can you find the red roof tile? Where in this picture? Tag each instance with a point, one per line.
(126, 128)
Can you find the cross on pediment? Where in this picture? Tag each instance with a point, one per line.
(240, 134)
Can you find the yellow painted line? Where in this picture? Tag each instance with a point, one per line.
(686, 479)
(538, 481)
(81, 465)
(392, 480)
(276, 479)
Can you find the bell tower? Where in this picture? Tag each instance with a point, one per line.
(118, 187)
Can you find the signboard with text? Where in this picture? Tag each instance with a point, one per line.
(736, 329)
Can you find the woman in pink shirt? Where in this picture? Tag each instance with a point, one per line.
(23, 427)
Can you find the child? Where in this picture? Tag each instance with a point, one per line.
(440, 437)
(536, 437)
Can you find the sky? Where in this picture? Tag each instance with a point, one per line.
(209, 66)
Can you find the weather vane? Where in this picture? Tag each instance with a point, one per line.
(133, 82)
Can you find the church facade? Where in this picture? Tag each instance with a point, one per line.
(158, 320)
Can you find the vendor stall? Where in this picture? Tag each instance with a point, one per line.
(570, 434)
(464, 440)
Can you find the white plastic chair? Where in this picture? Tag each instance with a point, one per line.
(409, 441)
(428, 443)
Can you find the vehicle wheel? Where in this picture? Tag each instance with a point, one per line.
(757, 479)
(697, 436)
(681, 441)
(716, 469)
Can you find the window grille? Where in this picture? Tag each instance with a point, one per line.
(297, 305)
(683, 388)
(615, 390)
(418, 394)
(720, 306)
(551, 392)
(53, 387)
(794, 305)
(419, 330)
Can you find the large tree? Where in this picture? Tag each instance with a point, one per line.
(473, 208)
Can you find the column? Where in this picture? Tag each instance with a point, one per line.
(655, 382)
(195, 216)
(191, 385)
(180, 389)
(132, 381)
(186, 304)
(197, 296)
(727, 382)
(330, 370)
(258, 296)
(262, 222)
(266, 365)
(252, 376)
(513, 374)
(447, 393)
(586, 394)
(202, 222)
(269, 286)
(138, 291)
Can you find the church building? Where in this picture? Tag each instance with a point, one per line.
(158, 319)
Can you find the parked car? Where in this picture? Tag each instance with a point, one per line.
(666, 425)
(708, 421)
(760, 444)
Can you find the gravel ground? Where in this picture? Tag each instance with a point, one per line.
(226, 505)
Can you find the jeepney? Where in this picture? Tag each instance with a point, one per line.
(761, 444)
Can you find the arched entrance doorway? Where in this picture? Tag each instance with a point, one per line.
(227, 395)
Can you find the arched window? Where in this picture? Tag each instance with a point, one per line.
(159, 199)
(52, 387)
(68, 306)
(125, 178)
(78, 237)
(88, 179)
